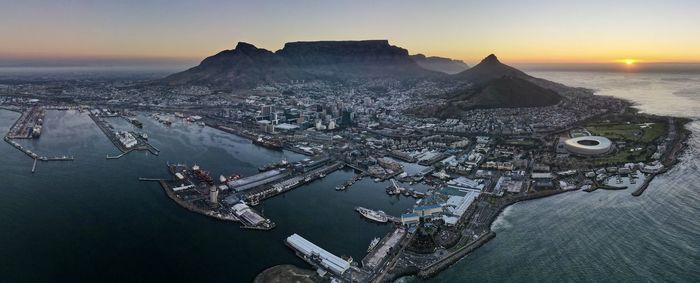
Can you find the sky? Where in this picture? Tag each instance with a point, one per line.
(154, 32)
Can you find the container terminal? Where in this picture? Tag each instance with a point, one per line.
(29, 126)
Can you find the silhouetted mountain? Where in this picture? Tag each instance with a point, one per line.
(440, 64)
(248, 66)
(489, 69)
(492, 84)
(497, 85)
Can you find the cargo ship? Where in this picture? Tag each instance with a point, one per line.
(377, 216)
(274, 165)
(135, 122)
(202, 175)
(268, 143)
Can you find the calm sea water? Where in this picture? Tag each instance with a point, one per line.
(92, 220)
(605, 236)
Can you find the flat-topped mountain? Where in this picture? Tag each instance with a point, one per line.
(249, 66)
(440, 64)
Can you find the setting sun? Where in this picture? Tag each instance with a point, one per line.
(629, 61)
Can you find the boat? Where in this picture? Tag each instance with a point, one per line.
(373, 244)
(377, 216)
(417, 194)
(268, 143)
(274, 165)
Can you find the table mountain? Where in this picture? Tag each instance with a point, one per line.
(248, 66)
(440, 64)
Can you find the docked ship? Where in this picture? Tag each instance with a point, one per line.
(268, 143)
(135, 122)
(202, 175)
(223, 179)
(378, 216)
(274, 165)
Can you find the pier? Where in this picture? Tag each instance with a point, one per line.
(34, 166)
(150, 179)
(644, 185)
(35, 156)
(140, 143)
(349, 183)
(256, 195)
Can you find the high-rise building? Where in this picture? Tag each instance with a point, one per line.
(266, 111)
(213, 195)
(347, 119)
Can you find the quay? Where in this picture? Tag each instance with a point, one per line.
(349, 183)
(150, 179)
(136, 142)
(264, 192)
(193, 189)
(35, 156)
(119, 156)
(378, 254)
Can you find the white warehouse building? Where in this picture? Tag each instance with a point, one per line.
(310, 251)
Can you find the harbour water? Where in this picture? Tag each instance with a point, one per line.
(605, 236)
(92, 220)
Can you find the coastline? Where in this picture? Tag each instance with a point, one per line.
(444, 263)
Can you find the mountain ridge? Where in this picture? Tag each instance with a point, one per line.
(247, 65)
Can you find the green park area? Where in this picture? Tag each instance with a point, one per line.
(637, 138)
(640, 133)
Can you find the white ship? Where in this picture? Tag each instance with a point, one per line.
(378, 216)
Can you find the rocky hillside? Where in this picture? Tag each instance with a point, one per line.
(248, 66)
(440, 64)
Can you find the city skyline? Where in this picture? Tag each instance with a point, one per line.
(185, 32)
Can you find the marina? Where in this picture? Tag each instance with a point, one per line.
(349, 183)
